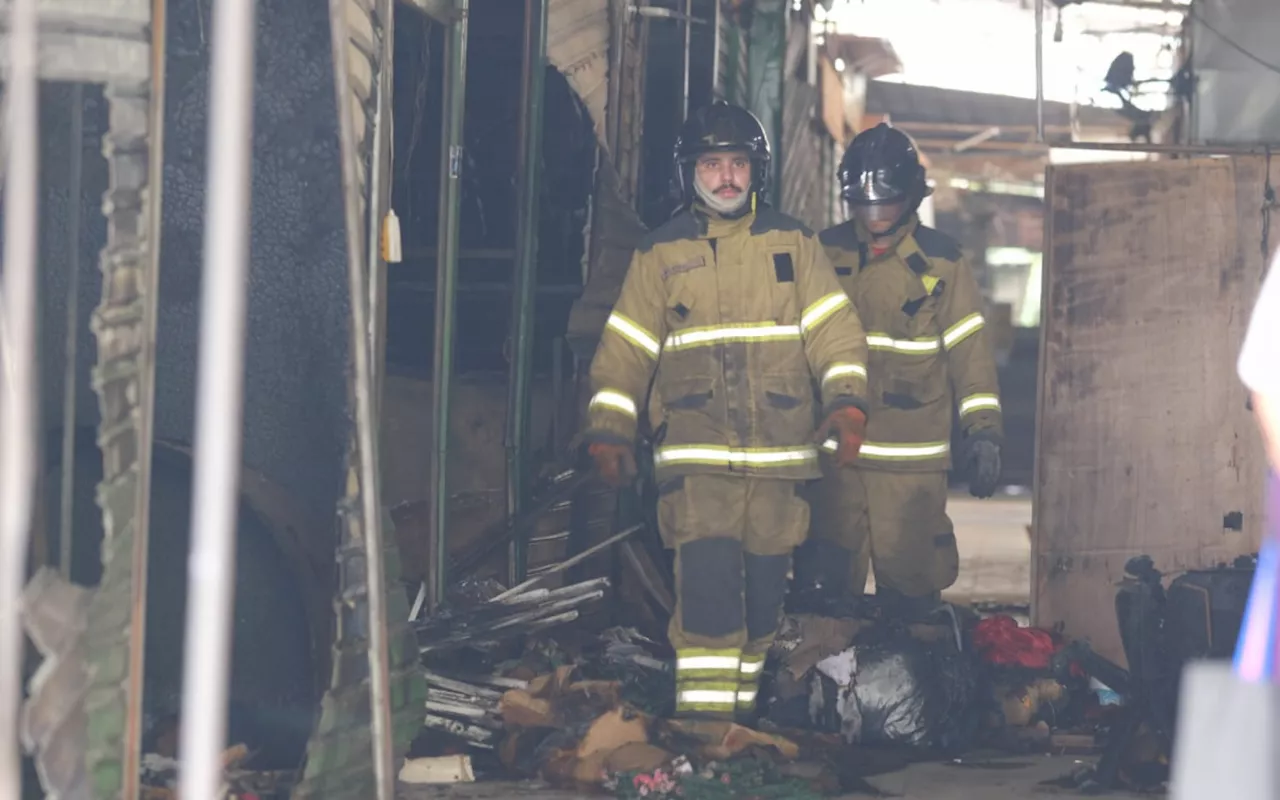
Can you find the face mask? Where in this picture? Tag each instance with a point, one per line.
(718, 204)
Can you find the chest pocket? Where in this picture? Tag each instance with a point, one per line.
(685, 280)
(922, 308)
(780, 277)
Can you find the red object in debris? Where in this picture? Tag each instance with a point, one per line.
(999, 640)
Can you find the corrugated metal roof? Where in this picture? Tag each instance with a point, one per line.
(906, 103)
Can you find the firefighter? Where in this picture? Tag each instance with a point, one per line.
(733, 312)
(929, 354)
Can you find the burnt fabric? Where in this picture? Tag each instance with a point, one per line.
(733, 538)
(894, 521)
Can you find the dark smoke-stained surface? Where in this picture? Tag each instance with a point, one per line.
(295, 420)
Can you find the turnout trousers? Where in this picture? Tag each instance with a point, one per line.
(733, 538)
(895, 522)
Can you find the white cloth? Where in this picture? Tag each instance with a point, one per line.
(1259, 362)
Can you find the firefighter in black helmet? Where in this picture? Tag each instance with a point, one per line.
(930, 356)
(733, 312)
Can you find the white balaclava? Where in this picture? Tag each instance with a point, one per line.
(719, 204)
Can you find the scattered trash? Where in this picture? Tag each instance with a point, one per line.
(441, 769)
(159, 778)
(1000, 640)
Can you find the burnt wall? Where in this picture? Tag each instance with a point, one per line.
(295, 421)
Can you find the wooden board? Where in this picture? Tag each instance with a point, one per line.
(1144, 442)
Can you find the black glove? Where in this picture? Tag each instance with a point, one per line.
(982, 465)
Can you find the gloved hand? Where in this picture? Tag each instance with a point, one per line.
(982, 465)
(849, 427)
(616, 463)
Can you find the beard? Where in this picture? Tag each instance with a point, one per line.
(722, 205)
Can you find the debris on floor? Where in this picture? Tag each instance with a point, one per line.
(160, 778)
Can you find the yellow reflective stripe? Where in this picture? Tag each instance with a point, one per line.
(633, 333)
(711, 696)
(882, 341)
(704, 663)
(819, 311)
(736, 332)
(962, 330)
(617, 401)
(903, 452)
(718, 454)
(841, 370)
(979, 402)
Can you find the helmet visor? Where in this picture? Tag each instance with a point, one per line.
(880, 217)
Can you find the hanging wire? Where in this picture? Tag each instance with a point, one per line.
(66, 504)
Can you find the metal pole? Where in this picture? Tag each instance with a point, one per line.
(688, 43)
(17, 346)
(132, 756)
(526, 276)
(66, 499)
(455, 69)
(366, 429)
(1170, 149)
(1039, 70)
(716, 89)
(219, 402)
(380, 198)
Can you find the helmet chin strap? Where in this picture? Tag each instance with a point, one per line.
(727, 208)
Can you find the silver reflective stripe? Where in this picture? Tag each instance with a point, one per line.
(607, 398)
(752, 667)
(841, 370)
(815, 314)
(879, 341)
(904, 451)
(710, 454)
(746, 695)
(707, 663)
(962, 330)
(699, 337)
(634, 334)
(710, 696)
(979, 402)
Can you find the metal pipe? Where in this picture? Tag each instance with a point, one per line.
(687, 25)
(219, 401)
(1170, 149)
(131, 766)
(526, 275)
(380, 197)
(455, 79)
(716, 88)
(366, 428)
(19, 402)
(66, 498)
(1039, 70)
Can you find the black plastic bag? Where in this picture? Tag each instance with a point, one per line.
(900, 691)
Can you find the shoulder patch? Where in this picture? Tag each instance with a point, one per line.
(918, 263)
(936, 244)
(681, 226)
(844, 236)
(770, 219)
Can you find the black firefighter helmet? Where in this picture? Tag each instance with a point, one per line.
(720, 127)
(881, 167)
